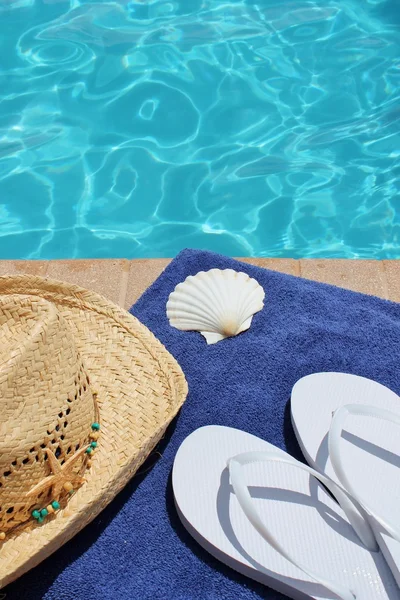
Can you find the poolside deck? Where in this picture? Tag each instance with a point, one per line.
(123, 281)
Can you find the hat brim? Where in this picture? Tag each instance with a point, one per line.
(140, 389)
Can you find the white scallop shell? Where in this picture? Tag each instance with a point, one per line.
(217, 303)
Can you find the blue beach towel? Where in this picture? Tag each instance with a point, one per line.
(137, 548)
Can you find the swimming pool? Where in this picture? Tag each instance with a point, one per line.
(262, 128)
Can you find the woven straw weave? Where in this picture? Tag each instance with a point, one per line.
(59, 343)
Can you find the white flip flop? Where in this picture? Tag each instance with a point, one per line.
(348, 429)
(265, 514)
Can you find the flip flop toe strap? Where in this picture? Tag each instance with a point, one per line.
(235, 466)
(334, 446)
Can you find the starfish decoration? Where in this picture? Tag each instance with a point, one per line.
(61, 474)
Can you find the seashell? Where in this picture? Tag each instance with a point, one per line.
(218, 304)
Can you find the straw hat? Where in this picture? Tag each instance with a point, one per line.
(86, 391)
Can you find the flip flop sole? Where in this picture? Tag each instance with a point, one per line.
(369, 446)
(297, 510)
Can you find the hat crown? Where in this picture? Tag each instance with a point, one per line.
(45, 402)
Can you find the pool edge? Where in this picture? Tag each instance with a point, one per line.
(123, 281)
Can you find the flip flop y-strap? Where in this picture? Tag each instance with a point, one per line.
(335, 433)
(244, 498)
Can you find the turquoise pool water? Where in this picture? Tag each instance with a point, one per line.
(265, 128)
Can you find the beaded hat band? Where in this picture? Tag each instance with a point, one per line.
(73, 367)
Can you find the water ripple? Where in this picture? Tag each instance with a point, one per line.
(136, 128)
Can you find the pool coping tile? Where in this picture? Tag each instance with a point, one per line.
(365, 276)
(124, 281)
(392, 274)
(142, 273)
(24, 267)
(103, 276)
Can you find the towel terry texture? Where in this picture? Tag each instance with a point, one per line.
(137, 548)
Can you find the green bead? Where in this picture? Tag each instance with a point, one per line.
(44, 512)
(89, 450)
(40, 520)
(94, 444)
(95, 426)
(35, 514)
(55, 505)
